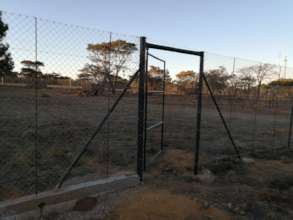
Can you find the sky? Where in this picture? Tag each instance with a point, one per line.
(253, 29)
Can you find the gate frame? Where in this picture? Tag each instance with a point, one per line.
(144, 47)
(143, 62)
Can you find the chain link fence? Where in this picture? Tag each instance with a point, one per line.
(255, 99)
(66, 78)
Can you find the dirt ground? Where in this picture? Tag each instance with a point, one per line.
(255, 189)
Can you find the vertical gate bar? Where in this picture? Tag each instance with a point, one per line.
(199, 110)
(163, 108)
(36, 153)
(141, 108)
(145, 111)
(290, 127)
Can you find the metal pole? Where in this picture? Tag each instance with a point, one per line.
(141, 107)
(290, 127)
(36, 153)
(163, 108)
(108, 107)
(98, 129)
(222, 117)
(145, 112)
(230, 97)
(199, 110)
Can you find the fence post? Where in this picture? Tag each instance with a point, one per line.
(163, 108)
(145, 110)
(141, 107)
(36, 133)
(290, 127)
(199, 109)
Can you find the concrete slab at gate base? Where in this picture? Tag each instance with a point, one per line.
(68, 193)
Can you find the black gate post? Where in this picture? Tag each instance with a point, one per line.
(145, 110)
(141, 108)
(199, 110)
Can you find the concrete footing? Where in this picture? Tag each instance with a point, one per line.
(11, 208)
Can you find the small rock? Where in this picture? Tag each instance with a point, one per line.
(248, 160)
(206, 204)
(242, 212)
(229, 205)
(206, 177)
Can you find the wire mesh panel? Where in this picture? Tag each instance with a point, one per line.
(65, 80)
(250, 103)
(18, 111)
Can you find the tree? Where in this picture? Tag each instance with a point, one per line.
(6, 62)
(218, 79)
(281, 83)
(186, 77)
(186, 80)
(53, 78)
(85, 76)
(246, 79)
(31, 69)
(156, 77)
(258, 73)
(106, 59)
(234, 83)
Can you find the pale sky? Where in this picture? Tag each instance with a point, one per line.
(253, 29)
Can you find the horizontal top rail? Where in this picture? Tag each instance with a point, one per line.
(155, 125)
(173, 49)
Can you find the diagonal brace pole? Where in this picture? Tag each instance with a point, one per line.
(98, 129)
(222, 117)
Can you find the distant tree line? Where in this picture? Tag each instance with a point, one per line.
(108, 64)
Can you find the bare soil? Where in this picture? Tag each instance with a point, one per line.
(253, 189)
